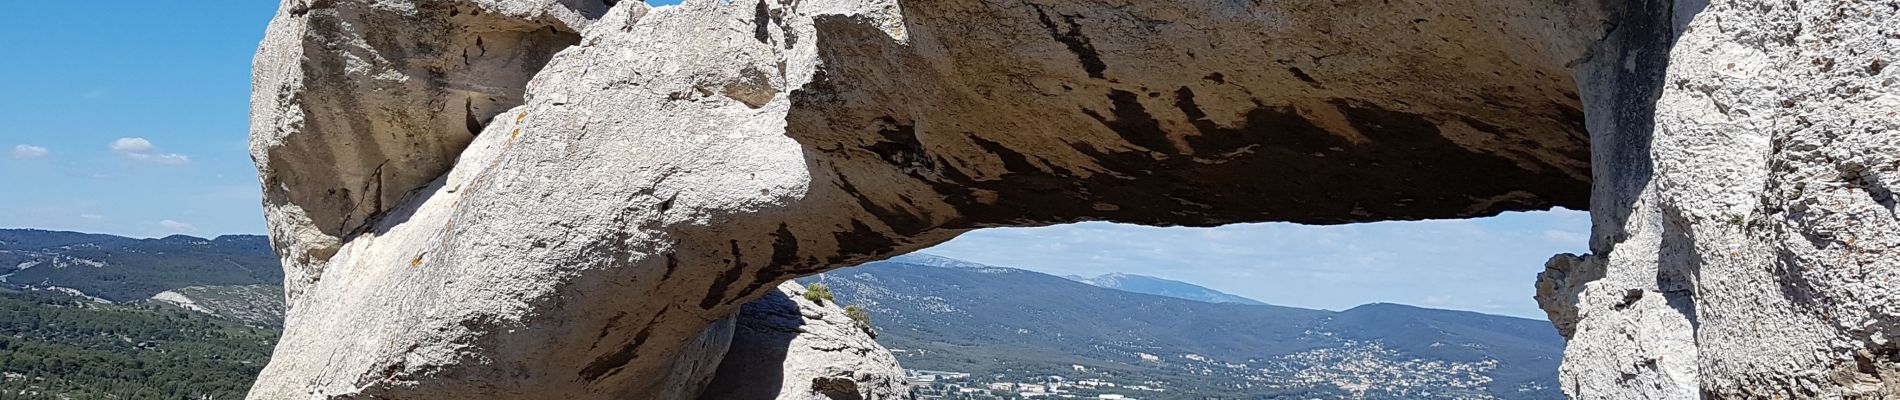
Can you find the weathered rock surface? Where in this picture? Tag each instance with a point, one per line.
(357, 103)
(680, 162)
(1757, 259)
(789, 348)
(654, 169)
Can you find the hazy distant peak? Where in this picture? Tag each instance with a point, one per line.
(932, 260)
(1164, 287)
(1119, 281)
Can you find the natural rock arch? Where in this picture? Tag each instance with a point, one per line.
(593, 240)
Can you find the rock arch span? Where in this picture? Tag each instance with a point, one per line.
(573, 198)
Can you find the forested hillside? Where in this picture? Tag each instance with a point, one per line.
(57, 346)
(124, 269)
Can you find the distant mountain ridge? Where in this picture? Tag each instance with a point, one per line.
(950, 315)
(122, 269)
(1163, 287)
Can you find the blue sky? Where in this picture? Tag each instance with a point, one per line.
(130, 118)
(1485, 265)
(171, 80)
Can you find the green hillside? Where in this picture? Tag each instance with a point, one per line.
(55, 346)
(124, 269)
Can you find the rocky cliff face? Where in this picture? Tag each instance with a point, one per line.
(1756, 255)
(357, 103)
(573, 198)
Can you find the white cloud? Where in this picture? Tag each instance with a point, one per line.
(176, 226)
(132, 145)
(137, 148)
(28, 151)
(92, 217)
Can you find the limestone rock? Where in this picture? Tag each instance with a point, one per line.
(678, 162)
(1751, 249)
(358, 103)
(788, 348)
(655, 169)
(1564, 278)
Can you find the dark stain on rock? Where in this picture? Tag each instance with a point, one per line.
(613, 363)
(1012, 160)
(1275, 166)
(784, 263)
(1076, 42)
(1026, 177)
(1133, 123)
(613, 322)
(1303, 77)
(902, 223)
(860, 240)
(1184, 100)
(672, 263)
(784, 247)
(717, 292)
(900, 146)
(1220, 165)
(761, 23)
(469, 120)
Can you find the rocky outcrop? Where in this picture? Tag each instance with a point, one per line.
(1754, 256)
(1558, 287)
(655, 169)
(698, 155)
(256, 305)
(787, 347)
(357, 103)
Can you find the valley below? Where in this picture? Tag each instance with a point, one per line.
(1017, 333)
(106, 317)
